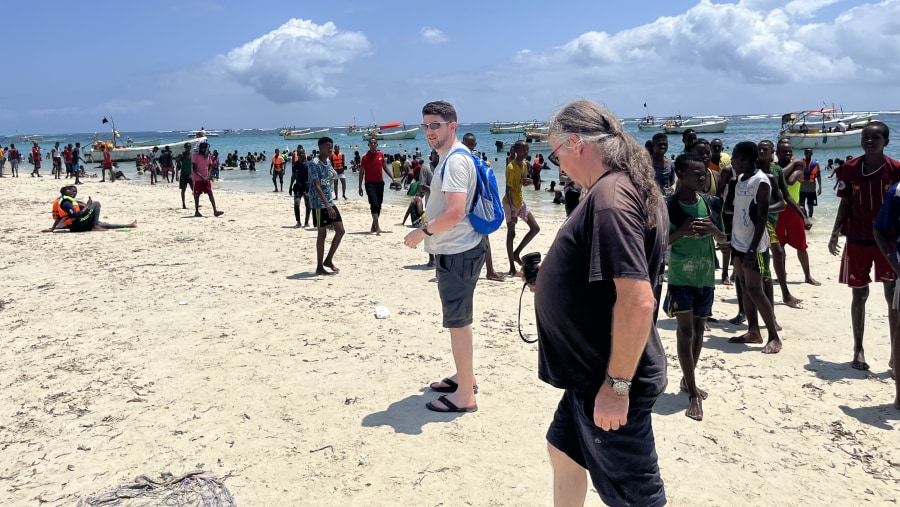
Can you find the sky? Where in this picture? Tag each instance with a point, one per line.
(187, 64)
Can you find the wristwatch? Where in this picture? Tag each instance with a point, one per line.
(619, 386)
(425, 228)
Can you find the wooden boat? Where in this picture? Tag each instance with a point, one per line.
(705, 127)
(651, 124)
(297, 135)
(810, 129)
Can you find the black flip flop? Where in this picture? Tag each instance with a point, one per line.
(449, 388)
(450, 407)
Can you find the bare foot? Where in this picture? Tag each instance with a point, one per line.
(726, 280)
(695, 408)
(322, 272)
(197, 214)
(512, 272)
(219, 213)
(810, 280)
(331, 266)
(133, 224)
(746, 338)
(792, 301)
(859, 362)
(738, 319)
(772, 347)
(497, 277)
(683, 385)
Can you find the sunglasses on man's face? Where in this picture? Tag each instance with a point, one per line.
(553, 158)
(433, 125)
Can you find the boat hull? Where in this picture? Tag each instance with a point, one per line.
(707, 127)
(125, 153)
(313, 134)
(826, 140)
(392, 136)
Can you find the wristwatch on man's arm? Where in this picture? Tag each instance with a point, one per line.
(619, 386)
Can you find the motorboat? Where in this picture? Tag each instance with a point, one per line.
(819, 129)
(716, 126)
(381, 134)
(298, 135)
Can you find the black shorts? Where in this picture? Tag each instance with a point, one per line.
(623, 463)
(457, 275)
(375, 194)
(183, 183)
(321, 218)
(808, 197)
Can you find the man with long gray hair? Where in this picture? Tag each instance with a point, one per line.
(594, 300)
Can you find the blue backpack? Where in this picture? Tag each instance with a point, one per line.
(486, 214)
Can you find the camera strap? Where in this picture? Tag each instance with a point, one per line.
(522, 335)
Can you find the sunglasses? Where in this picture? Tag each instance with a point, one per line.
(553, 158)
(433, 125)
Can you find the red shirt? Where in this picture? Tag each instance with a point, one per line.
(866, 194)
(67, 155)
(373, 165)
(36, 154)
(107, 160)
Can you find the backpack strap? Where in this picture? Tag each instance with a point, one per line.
(454, 152)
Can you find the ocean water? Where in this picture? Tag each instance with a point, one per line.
(741, 128)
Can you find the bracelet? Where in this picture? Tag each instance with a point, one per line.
(425, 230)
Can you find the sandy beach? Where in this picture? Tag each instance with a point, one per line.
(208, 343)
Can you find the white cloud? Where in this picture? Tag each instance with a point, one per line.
(433, 35)
(295, 62)
(754, 41)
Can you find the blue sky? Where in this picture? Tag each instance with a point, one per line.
(172, 65)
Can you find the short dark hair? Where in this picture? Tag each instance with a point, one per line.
(766, 141)
(699, 141)
(325, 140)
(746, 149)
(659, 135)
(441, 108)
(686, 159)
(885, 130)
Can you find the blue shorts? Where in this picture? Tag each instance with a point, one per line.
(683, 298)
(622, 463)
(457, 275)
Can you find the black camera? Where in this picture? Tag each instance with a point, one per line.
(530, 263)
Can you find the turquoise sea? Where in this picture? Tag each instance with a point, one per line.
(741, 128)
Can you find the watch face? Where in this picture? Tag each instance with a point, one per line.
(621, 387)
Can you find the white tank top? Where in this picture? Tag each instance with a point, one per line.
(745, 213)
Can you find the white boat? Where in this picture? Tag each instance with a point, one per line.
(809, 129)
(501, 127)
(825, 140)
(703, 127)
(297, 135)
(392, 136)
(139, 144)
(94, 153)
(207, 133)
(651, 124)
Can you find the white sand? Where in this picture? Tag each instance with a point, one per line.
(208, 343)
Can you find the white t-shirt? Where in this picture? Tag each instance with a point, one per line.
(745, 212)
(458, 176)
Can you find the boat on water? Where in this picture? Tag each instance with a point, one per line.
(381, 132)
(716, 126)
(206, 133)
(653, 124)
(119, 153)
(300, 134)
(506, 127)
(356, 129)
(811, 129)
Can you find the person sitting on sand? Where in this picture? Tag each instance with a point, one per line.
(77, 216)
(695, 226)
(416, 209)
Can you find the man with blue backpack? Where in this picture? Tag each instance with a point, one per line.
(464, 206)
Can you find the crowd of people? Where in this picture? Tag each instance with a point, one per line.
(638, 219)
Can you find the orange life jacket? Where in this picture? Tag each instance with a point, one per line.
(60, 213)
(337, 160)
(277, 162)
(809, 175)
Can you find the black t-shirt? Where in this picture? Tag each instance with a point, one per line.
(165, 159)
(300, 174)
(605, 237)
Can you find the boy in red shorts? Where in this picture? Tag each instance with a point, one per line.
(202, 182)
(862, 186)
